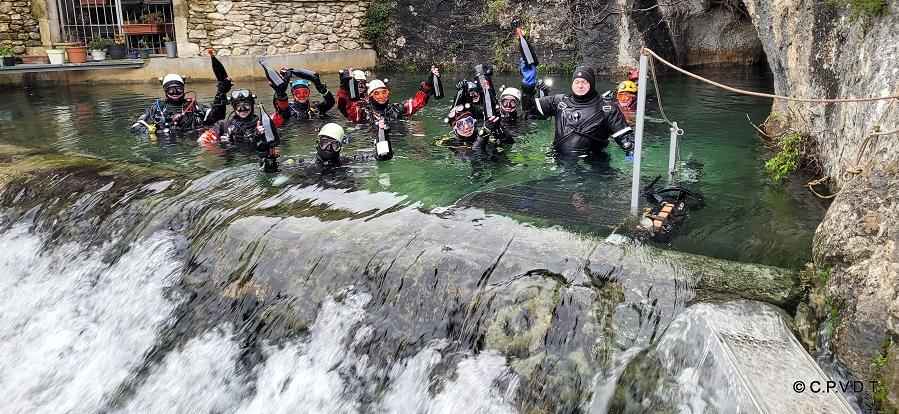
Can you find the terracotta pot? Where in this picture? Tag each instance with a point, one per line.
(140, 28)
(77, 54)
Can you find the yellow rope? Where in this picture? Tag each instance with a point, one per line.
(649, 52)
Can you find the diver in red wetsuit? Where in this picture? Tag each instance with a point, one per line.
(376, 105)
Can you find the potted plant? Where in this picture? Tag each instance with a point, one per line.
(98, 47)
(118, 49)
(171, 47)
(77, 53)
(150, 23)
(7, 55)
(57, 55)
(143, 51)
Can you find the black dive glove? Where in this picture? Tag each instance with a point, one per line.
(345, 77)
(492, 123)
(321, 87)
(223, 86)
(280, 90)
(626, 143)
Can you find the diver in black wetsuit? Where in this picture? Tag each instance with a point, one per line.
(331, 139)
(177, 114)
(468, 138)
(584, 119)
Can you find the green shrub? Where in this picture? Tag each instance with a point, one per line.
(496, 7)
(787, 159)
(378, 20)
(6, 51)
(863, 7)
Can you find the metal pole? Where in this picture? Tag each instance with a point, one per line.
(638, 134)
(672, 150)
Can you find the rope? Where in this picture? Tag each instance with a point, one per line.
(849, 173)
(649, 52)
(655, 84)
(853, 170)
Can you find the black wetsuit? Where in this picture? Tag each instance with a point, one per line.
(307, 110)
(584, 124)
(183, 116)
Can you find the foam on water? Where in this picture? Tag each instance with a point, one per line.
(201, 377)
(73, 328)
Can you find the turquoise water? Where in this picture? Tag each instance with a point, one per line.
(747, 218)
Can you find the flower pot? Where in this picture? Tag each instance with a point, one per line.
(140, 28)
(77, 54)
(171, 49)
(117, 51)
(34, 59)
(143, 53)
(9, 60)
(56, 56)
(98, 55)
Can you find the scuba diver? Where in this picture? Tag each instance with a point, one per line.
(626, 96)
(509, 101)
(469, 92)
(493, 138)
(245, 126)
(177, 114)
(584, 119)
(375, 104)
(302, 108)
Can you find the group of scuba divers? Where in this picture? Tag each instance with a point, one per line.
(585, 119)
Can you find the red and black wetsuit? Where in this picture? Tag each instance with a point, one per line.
(362, 111)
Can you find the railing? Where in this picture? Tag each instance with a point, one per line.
(144, 23)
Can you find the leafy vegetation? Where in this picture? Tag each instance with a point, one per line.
(863, 7)
(787, 159)
(823, 274)
(378, 20)
(6, 51)
(495, 8)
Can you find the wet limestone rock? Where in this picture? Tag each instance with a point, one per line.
(816, 49)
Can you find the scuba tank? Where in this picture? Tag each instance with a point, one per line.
(438, 86)
(527, 51)
(217, 68)
(273, 76)
(383, 148)
(669, 208)
(483, 74)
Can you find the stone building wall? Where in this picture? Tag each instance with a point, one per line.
(18, 26)
(270, 27)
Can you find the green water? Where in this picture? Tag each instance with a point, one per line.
(747, 218)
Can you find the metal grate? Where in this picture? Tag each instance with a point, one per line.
(83, 20)
(144, 23)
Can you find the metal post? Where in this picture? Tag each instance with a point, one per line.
(672, 150)
(638, 134)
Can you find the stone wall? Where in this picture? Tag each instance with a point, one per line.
(269, 27)
(18, 26)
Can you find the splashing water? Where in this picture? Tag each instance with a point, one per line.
(73, 328)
